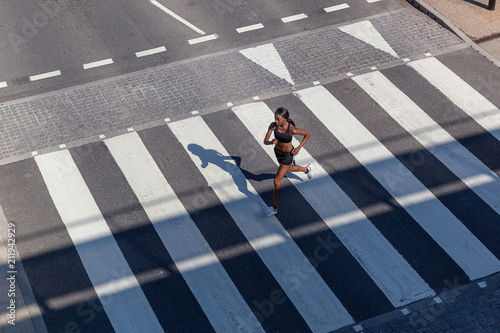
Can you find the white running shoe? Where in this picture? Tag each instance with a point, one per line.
(309, 168)
(270, 211)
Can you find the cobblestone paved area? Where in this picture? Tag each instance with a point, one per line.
(85, 112)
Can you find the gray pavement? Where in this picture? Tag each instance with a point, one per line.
(474, 308)
(145, 99)
(470, 20)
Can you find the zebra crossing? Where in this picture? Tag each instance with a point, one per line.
(163, 229)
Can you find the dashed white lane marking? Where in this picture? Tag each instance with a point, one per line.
(294, 18)
(44, 75)
(358, 328)
(150, 51)
(250, 27)
(98, 63)
(366, 32)
(177, 17)
(3, 84)
(202, 39)
(335, 8)
(371, 1)
(268, 57)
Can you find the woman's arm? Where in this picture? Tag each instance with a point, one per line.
(268, 135)
(299, 131)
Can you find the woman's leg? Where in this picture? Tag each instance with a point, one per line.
(307, 170)
(296, 168)
(282, 170)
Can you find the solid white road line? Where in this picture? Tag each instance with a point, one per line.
(250, 27)
(205, 276)
(335, 8)
(314, 300)
(3, 84)
(44, 75)
(460, 244)
(460, 93)
(202, 39)
(433, 137)
(113, 280)
(294, 18)
(388, 269)
(177, 17)
(98, 63)
(150, 52)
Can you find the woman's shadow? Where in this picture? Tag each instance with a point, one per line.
(211, 156)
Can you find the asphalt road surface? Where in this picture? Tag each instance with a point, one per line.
(47, 45)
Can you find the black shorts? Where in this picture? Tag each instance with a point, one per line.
(285, 158)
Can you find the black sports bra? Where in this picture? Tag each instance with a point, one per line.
(283, 137)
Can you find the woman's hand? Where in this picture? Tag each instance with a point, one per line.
(295, 151)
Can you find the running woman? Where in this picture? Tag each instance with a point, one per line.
(284, 128)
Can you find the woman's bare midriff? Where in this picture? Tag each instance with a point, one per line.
(284, 146)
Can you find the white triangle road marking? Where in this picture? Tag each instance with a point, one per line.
(268, 57)
(366, 32)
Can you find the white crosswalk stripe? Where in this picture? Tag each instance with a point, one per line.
(204, 272)
(425, 208)
(395, 277)
(460, 93)
(216, 293)
(116, 285)
(458, 159)
(314, 300)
